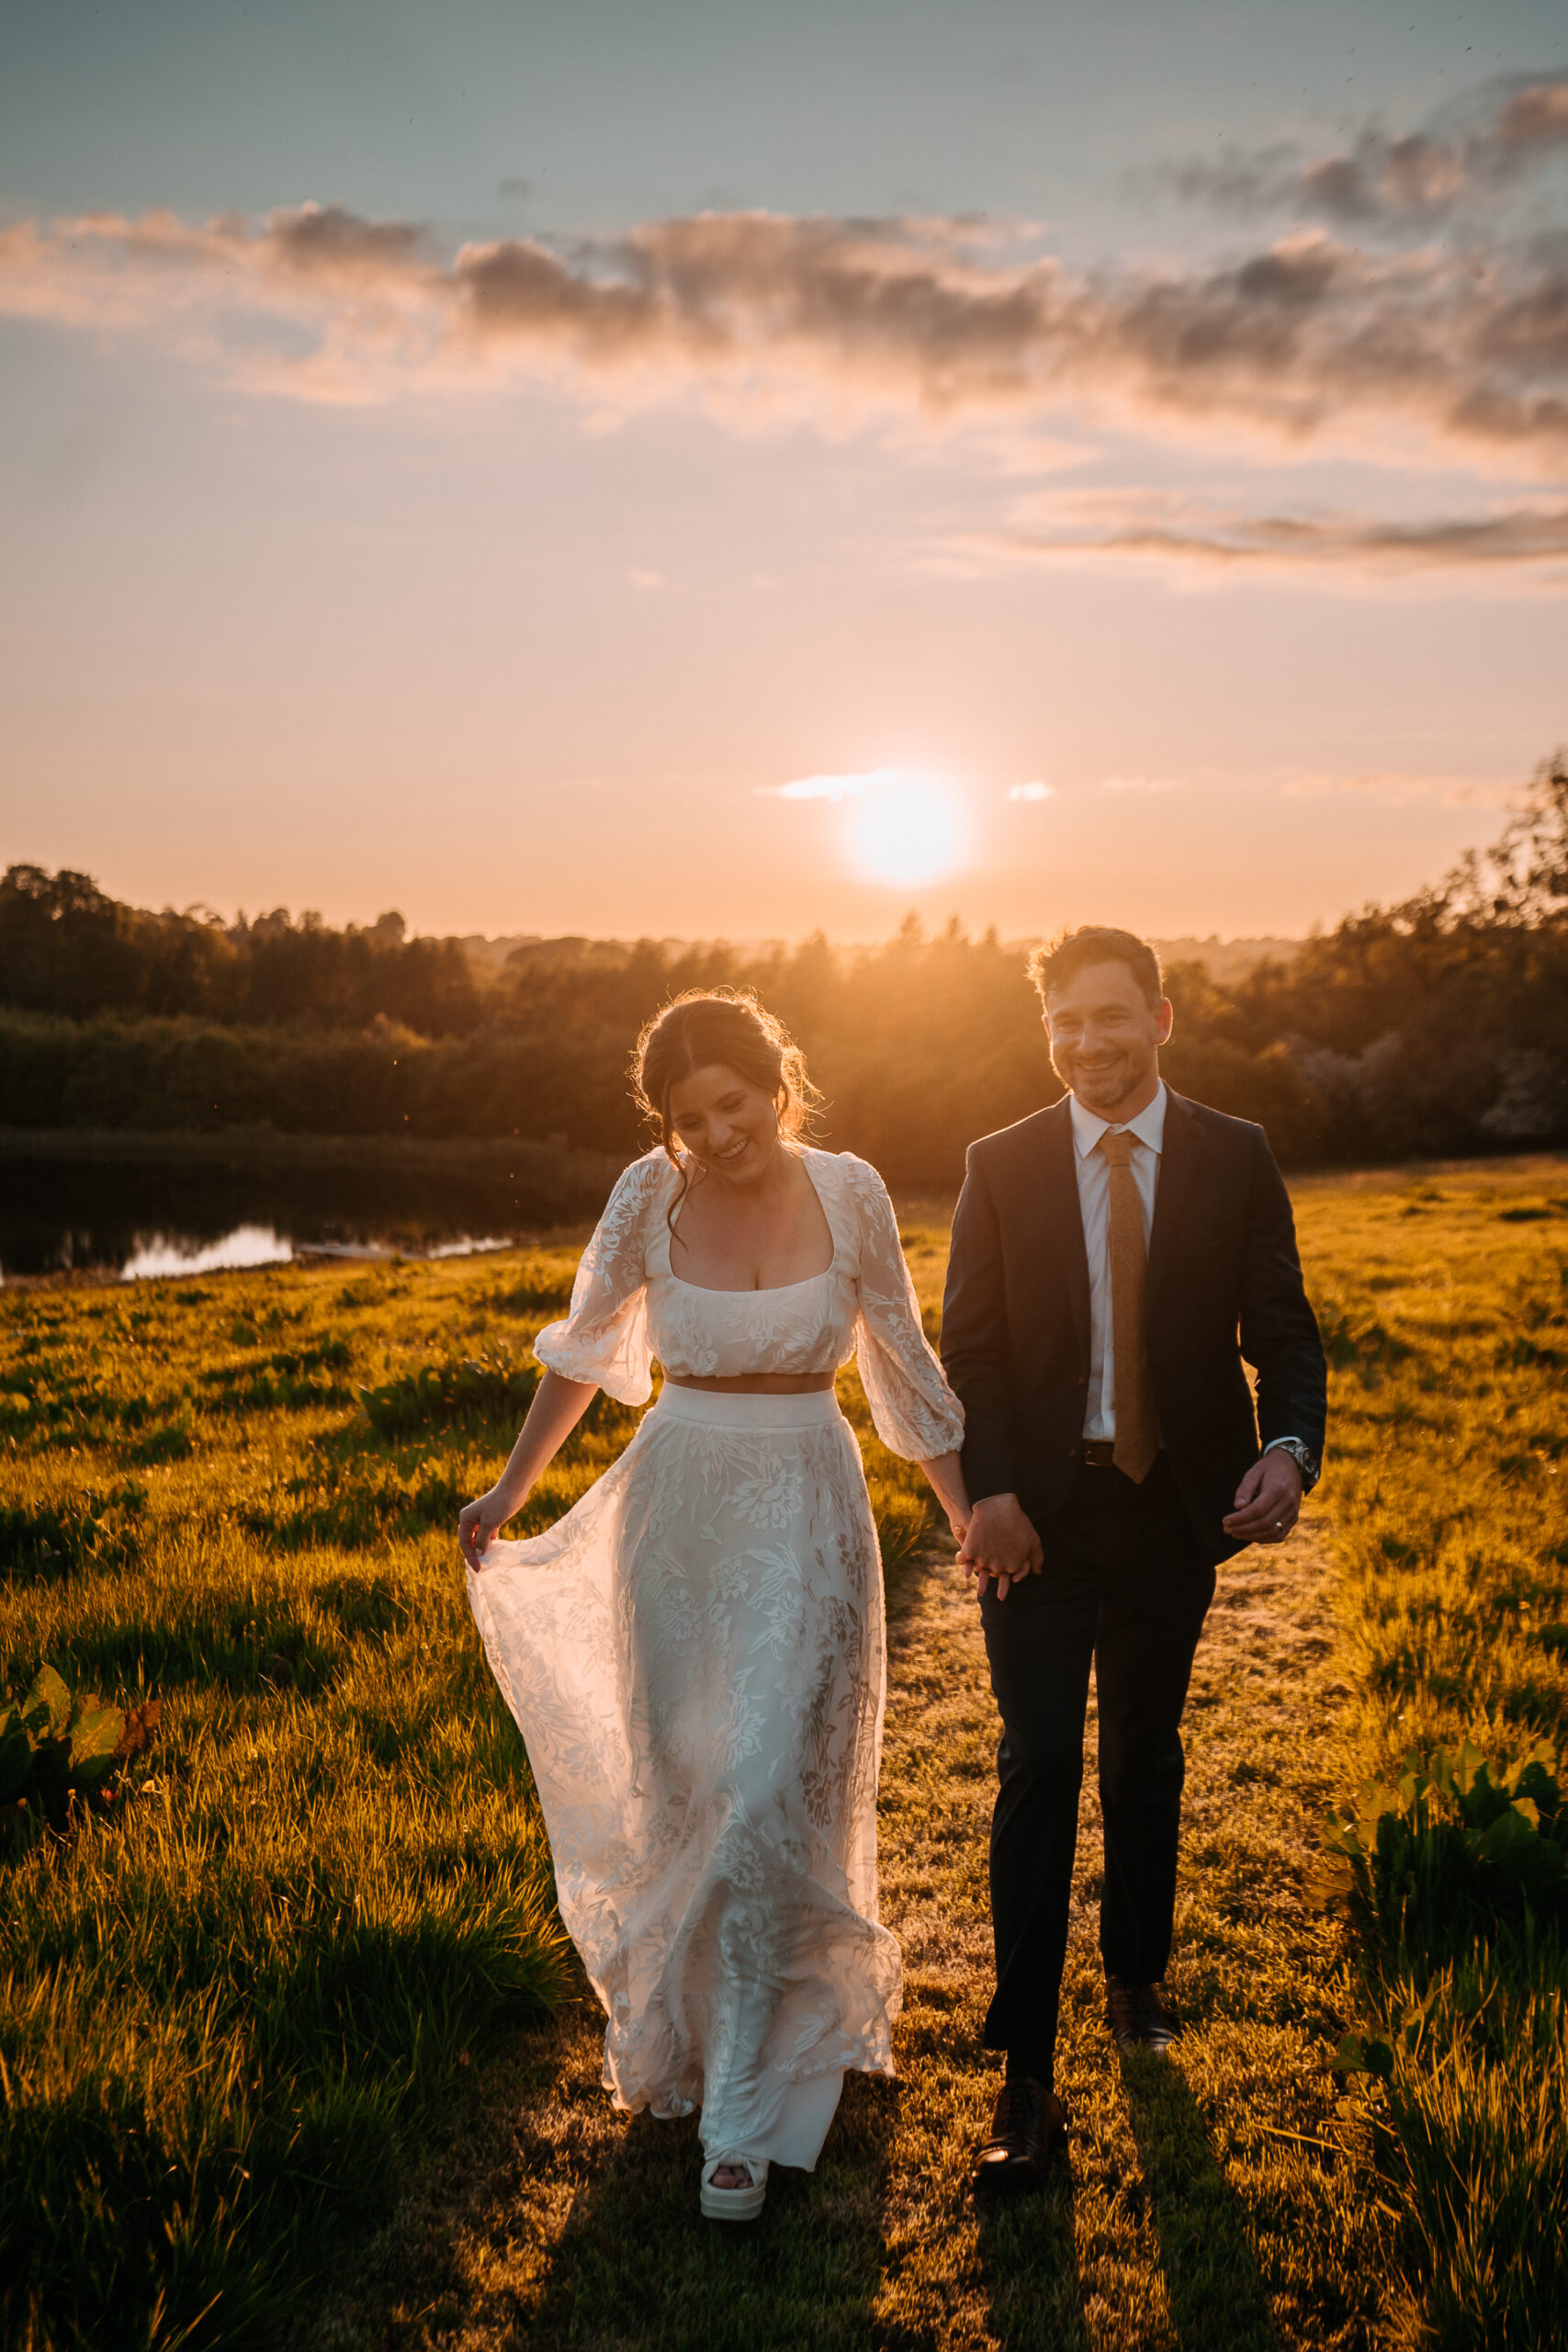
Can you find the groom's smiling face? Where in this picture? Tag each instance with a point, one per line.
(1105, 1039)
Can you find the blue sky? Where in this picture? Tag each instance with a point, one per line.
(341, 572)
(615, 113)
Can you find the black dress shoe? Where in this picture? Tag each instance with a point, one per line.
(1028, 2127)
(1137, 2016)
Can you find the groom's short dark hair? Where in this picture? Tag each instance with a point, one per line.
(1053, 966)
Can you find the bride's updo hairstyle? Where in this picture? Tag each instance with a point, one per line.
(726, 1025)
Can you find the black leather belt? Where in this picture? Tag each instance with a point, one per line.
(1098, 1452)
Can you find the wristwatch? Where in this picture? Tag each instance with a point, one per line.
(1302, 1455)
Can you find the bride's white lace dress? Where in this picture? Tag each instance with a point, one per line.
(694, 1655)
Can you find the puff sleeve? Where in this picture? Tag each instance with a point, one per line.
(604, 1340)
(916, 1413)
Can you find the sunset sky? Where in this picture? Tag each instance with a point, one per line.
(735, 469)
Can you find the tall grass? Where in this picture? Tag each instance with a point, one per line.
(233, 2001)
(1445, 1305)
(237, 2002)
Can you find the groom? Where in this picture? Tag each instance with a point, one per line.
(1115, 1260)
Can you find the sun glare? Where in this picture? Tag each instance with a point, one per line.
(905, 831)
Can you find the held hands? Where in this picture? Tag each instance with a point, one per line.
(999, 1542)
(478, 1522)
(1267, 1501)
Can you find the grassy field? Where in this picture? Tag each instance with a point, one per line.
(255, 1971)
(289, 2047)
(1444, 1302)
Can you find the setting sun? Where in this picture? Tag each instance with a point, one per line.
(907, 832)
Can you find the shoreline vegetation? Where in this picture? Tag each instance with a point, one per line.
(547, 1184)
(232, 1148)
(577, 1175)
(1435, 1028)
(262, 1987)
(82, 1205)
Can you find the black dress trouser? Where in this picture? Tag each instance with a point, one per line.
(1124, 1586)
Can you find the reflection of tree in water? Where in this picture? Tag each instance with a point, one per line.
(59, 1214)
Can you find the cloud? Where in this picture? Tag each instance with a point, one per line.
(326, 241)
(1173, 529)
(928, 325)
(1398, 788)
(833, 787)
(1411, 181)
(838, 320)
(318, 302)
(1030, 791)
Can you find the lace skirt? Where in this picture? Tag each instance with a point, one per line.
(694, 1655)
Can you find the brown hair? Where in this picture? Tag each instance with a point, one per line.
(726, 1025)
(1053, 966)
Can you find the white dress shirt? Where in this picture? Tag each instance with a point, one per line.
(1147, 1131)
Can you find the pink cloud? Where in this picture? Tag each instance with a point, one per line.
(1298, 337)
(937, 322)
(1400, 182)
(1073, 525)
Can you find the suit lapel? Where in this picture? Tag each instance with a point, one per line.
(1180, 1163)
(1058, 1180)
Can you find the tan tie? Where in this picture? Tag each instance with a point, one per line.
(1136, 1439)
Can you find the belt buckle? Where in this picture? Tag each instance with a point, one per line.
(1100, 1452)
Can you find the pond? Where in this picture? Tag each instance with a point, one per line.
(135, 1220)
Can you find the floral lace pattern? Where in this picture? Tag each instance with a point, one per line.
(627, 1307)
(694, 1655)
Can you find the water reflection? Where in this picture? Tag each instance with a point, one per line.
(139, 1221)
(168, 1253)
(259, 1245)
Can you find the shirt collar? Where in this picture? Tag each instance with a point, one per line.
(1148, 1126)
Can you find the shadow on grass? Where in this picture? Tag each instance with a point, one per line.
(636, 2265)
(1210, 2272)
(1028, 2261)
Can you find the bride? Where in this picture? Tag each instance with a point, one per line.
(694, 1653)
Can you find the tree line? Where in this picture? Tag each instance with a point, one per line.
(67, 947)
(1436, 1026)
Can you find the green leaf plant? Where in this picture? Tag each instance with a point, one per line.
(1460, 1847)
(60, 1750)
(1458, 1877)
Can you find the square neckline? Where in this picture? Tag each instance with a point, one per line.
(767, 1290)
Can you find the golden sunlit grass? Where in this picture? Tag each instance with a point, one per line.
(229, 2001)
(1444, 1302)
(292, 2027)
(1221, 2202)
(235, 1998)
(1218, 2203)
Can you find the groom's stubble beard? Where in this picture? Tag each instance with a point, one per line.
(1102, 1081)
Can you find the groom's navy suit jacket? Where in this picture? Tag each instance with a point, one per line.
(1224, 1283)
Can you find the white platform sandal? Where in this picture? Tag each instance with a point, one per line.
(735, 2204)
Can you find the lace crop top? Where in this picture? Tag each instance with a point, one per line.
(629, 1307)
